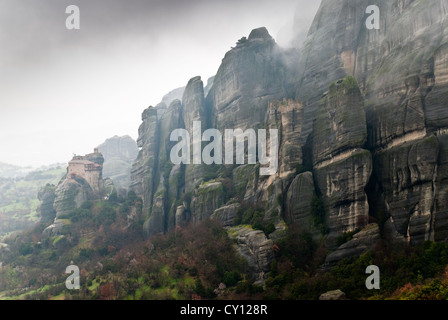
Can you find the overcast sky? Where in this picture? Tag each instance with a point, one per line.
(66, 91)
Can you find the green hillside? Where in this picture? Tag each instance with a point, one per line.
(18, 197)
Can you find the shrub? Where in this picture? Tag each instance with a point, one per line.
(318, 213)
(253, 216)
(86, 253)
(345, 237)
(231, 278)
(106, 215)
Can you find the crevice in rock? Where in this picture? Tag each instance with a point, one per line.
(433, 201)
(405, 138)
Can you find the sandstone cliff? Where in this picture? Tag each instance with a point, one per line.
(399, 70)
(361, 119)
(82, 182)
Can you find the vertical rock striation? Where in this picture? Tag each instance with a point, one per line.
(362, 121)
(401, 72)
(342, 168)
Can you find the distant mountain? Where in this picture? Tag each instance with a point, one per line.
(13, 171)
(119, 153)
(19, 196)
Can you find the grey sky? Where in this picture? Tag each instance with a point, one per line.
(66, 91)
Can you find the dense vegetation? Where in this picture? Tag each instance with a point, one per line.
(407, 272)
(117, 262)
(104, 239)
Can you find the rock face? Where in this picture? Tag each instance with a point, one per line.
(194, 109)
(340, 124)
(359, 244)
(144, 168)
(411, 190)
(257, 249)
(83, 182)
(342, 168)
(287, 117)
(362, 127)
(298, 202)
(46, 197)
(249, 77)
(71, 194)
(342, 185)
(166, 181)
(226, 214)
(400, 70)
(209, 197)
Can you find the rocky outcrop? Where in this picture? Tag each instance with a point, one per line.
(46, 197)
(440, 210)
(298, 202)
(342, 168)
(144, 167)
(171, 96)
(182, 216)
(165, 185)
(250, 76)
(249, 91)
(286, 116)
(54, 229)
(340, 124)
(208, 198)
(416, 96)
(408, 176)
(400, 69)
(194, 109)
(331, 39)
(332, 295)
(226, 214)
(342, 185)
(71, 194)
(413, 39)
(82, 182)
(362, 130)
(361, 242)
(257, 250)
(238, 90)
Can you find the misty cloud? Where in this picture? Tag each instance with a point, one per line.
(90, 84)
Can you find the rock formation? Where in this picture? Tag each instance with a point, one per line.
(249, 77)
(256, 249)
(342, 168)
(399, 69)
(82, 182)
(360, 243)
(46, 197)
(362, 122)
